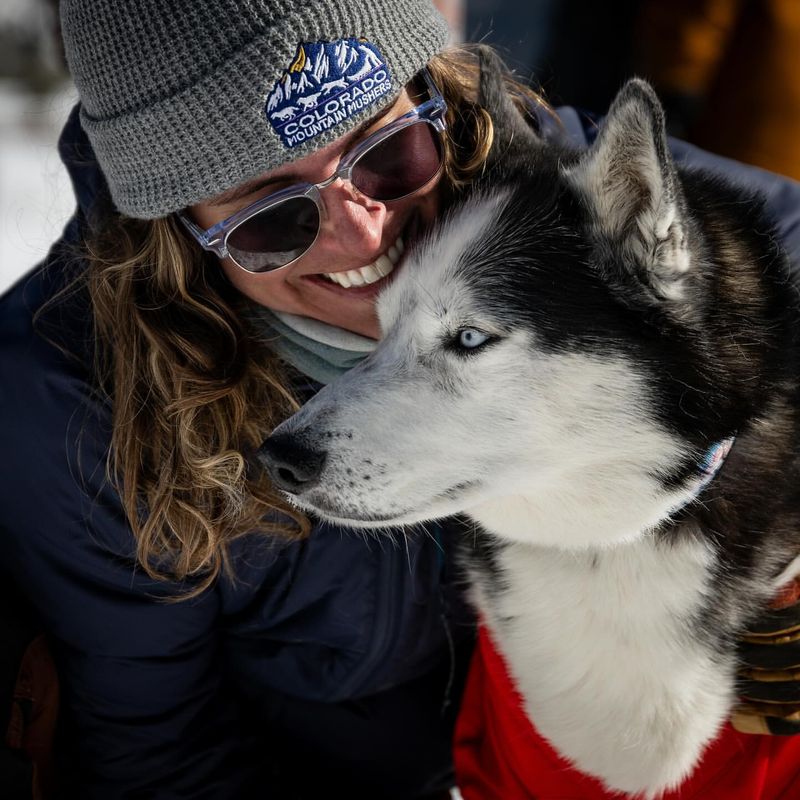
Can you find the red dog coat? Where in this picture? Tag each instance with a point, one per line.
(500, 756)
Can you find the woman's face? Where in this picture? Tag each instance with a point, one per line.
(355, 232)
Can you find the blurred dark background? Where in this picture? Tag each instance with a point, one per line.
(727, 71)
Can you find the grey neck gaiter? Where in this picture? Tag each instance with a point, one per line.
(318, 350)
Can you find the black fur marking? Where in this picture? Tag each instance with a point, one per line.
(480, 551)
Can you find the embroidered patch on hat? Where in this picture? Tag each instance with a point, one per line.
(326, 83)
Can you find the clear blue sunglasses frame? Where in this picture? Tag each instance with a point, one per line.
(431, 112)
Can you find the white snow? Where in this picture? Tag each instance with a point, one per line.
(36, 198)
(21, 14)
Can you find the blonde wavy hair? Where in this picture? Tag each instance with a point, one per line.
(192, 391)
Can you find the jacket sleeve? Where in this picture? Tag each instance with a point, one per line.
(144, 706)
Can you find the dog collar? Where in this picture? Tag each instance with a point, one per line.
(708, 468)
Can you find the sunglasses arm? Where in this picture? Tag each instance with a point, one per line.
(433, 90)
(213, 245)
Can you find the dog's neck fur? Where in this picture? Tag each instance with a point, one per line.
(600, 647)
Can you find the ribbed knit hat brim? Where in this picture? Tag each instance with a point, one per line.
(173, 93)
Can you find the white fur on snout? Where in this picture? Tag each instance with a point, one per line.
(556, 449)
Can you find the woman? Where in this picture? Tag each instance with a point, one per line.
(223, 261)
(203, 651)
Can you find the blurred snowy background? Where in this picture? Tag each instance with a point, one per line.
(35, 99)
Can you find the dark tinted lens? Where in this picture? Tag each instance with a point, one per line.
(400, 164)
(274, 237)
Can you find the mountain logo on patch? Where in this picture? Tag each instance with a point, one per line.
(326, 83)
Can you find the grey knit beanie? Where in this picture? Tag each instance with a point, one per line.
(184, 99)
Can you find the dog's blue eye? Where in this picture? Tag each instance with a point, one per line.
(470, 338)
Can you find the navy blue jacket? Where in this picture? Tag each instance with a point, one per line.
(331, 665)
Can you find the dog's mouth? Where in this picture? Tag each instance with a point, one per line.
(440, 505)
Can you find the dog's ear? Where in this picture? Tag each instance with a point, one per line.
(511, 130)
(630, 179)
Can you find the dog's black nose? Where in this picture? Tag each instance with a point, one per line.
(292, 466)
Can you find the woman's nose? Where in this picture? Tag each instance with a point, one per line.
(352, 223)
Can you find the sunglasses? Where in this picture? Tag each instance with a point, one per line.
(394, 162)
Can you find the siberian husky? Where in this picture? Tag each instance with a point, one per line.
(594, 358)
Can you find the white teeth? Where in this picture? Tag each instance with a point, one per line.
(372, 274)
(383, 266)
(356, 278)
(380, 268)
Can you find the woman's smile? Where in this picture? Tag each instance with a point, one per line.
(373, 273)
(359, 248)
